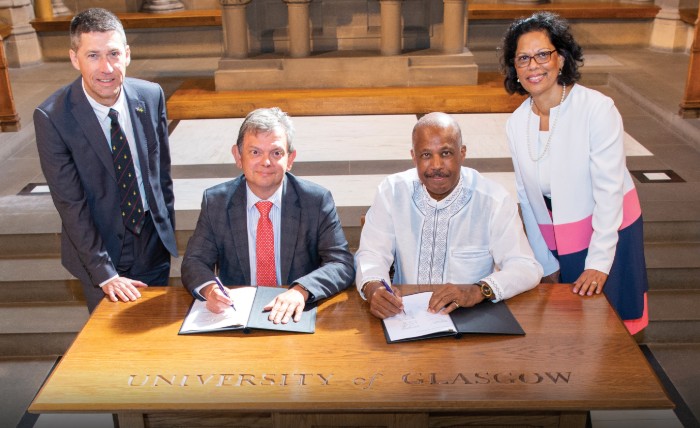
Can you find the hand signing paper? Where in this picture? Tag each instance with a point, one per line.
(217, 302)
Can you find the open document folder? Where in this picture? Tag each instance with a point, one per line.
(248, 314)
(417, 323)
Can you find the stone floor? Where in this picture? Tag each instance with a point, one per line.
(646, 86)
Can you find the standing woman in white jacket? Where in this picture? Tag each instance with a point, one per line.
(578, 201)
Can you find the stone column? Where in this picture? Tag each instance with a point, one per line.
(454, 25)
(299, 28)
(235, 28)
(391, 30)
(22, 46)
(162, 6)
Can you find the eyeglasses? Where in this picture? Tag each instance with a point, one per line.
(540, 58)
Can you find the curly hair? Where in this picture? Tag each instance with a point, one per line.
(557, 28)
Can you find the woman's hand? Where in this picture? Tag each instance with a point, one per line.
(591, 281)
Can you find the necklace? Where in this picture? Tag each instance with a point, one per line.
(535, 157)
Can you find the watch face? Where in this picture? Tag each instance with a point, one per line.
(486, 291)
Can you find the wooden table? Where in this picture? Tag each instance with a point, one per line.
(129, 360)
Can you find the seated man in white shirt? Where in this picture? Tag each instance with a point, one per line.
(442, 223)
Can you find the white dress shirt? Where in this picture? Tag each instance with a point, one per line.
(472, 235)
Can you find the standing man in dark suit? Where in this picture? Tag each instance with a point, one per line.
(103, 147)
(310, 252)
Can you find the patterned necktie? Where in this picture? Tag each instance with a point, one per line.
(131, 205)
(265, 247)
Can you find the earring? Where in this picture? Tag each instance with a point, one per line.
(518, 80)
(560, 71)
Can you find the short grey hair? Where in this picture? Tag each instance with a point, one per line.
(94, 20)
(265, 120)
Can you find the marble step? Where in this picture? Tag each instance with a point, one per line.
(675, 221)
(673, 317)
(672, 255)
(39, 329)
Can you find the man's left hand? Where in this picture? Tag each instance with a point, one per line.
(450, 297)
(288, 304)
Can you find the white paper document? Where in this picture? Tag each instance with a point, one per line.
(200, 319)
(417, 321)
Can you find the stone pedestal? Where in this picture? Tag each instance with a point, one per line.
(347, 70)
(22, 46)
(669, 32)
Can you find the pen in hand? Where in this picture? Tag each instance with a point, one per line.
(223, 290)
(390, 290)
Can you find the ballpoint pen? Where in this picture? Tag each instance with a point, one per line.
(390, 290)
(223, 290)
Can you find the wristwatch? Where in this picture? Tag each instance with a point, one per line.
(486, 290)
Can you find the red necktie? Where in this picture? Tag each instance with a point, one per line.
(265, 247)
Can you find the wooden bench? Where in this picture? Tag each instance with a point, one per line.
(583, 10)
(185, 18)
(197, 99)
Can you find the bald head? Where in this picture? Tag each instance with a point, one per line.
(441, 123)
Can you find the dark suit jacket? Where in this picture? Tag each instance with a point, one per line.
(79, 170)
(314, 251)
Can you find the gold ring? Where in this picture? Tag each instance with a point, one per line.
(456, 304)
(593, 283)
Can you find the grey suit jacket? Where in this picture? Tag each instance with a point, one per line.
(78, 168)
(314, 251)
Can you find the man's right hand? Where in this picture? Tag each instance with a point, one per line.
(123, 288)
(382, 304)
(216, 301)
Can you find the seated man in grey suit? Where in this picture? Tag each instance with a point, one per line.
(306, 247)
